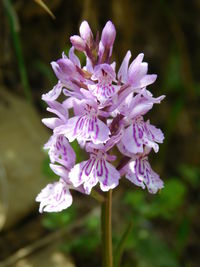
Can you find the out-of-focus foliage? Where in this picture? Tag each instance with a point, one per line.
(54, 221)
(165, 205)
(166, 228)
(162, 222)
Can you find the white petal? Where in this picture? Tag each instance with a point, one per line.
(59, 170)
(107, 175)
(131, 175)
(84, 173)
(141, 174)
(54, 197)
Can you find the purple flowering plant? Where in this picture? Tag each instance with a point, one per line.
(108, 108)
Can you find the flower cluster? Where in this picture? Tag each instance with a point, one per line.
(107, 108)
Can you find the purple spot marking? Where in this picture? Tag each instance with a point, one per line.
(136, 170)
(96, 131)
(140, 167)
(89, 166)
(76, 126)
(105, 182)
(134, 136)
(140, 133)
(99, 167)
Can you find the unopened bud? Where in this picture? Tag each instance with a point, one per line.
(85, 31)
(78, 42)
(108, 34)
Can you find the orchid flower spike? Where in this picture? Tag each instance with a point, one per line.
(102, 107)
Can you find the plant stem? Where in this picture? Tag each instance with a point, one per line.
(14, 28)
(98, 196)
(106, 219)
(121, 246)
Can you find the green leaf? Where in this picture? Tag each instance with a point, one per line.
(152, 251)
(164, 204)
(122, 244)
(56, 220)
(191, 174)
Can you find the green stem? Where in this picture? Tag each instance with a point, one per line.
(121, 246)
(14, 28)
(98, 196)
(106, 224)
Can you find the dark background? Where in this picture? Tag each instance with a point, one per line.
(166, 227)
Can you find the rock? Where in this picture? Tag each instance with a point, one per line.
(48, 256)
(21, 158)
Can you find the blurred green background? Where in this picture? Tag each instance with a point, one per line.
(162, 230)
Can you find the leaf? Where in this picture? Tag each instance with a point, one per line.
(57, 220)
(152, 251)
(122, 243)
(164, 204)
(45, 7)
(191, 174)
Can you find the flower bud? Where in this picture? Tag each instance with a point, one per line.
(108, 34)
(85, 31)
(63, 68)
(78, 42)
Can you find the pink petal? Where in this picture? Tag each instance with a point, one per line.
(73, 57)
(58, 109)
(132, 139)
(108, 34)
(52, 123)
(49, 143)
(134, 67)
(95, 170)
(85, 31)
(137, 60)
(60, 151)
(90, 183)
(69, 129)
(147, 80)
(139, 106)
(148, 95)
(103, 133)
(155, 133)
(85, 128)
(78, 42)
(59, 170)
(141, 174)
(83, 173)
(104, 92)
(137, 72)
(54, 197)
(76, 174)
(123, 70)
(152, 144)
(131, 175)
(89, 66)
(107, 175)
(139, 134)
(124, 151)
(54, 93)
(113, 65)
